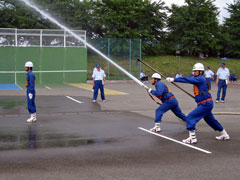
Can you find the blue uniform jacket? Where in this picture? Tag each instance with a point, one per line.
(30, 83)
(200, 87)
(162, 91)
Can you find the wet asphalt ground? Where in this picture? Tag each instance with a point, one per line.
(100, 140)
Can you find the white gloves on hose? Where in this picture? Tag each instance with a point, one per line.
(30, 95)
(149, 90)
(169, 79)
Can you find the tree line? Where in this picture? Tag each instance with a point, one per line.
(192, 28)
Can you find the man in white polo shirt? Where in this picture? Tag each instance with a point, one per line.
(222, 81)
(98, 82)
(209, 76)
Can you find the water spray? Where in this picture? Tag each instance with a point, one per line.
(48, 16)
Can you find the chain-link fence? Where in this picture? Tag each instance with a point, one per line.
(58, 51)
(40, 38)
(124, 52)
(57, 56)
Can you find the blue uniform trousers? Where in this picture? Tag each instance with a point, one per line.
(98, 85)
(209, 83)
(31, 102)
(170, 104)
(221, 85)
(204, 111)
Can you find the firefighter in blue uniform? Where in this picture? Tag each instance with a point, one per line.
(30, 85)
(204, 105)
(169, 102)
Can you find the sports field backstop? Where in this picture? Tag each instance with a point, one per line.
(56, 55)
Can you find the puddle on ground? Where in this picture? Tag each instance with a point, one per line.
(4, 104)
(33, 140)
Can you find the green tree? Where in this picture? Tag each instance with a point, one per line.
(65, 11)
(14, 14)
(194, 27)
(231, 31)
(130, 19)
(142, 19)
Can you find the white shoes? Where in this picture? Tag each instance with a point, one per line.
(222, 101)
(156, 128)
(32, 118)
(94, 101)
(192, 138)
(223, 137)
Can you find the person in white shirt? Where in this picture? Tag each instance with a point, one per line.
(209, 76)
(178, 75)
(222, 81)
(143, 76)
(98, 82)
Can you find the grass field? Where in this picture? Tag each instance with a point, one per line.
(172, 64)
(168, 65)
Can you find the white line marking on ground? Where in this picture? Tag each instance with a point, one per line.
(18, 86)
(74, 99)
(47, 87)
(176, 141)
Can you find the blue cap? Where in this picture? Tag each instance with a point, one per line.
(97, 65)
(222, 63)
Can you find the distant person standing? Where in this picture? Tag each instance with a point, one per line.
(222, 81)
(209, 75)
(30, 85)
(98, 82)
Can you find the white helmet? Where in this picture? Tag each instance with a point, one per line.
(198, 67)
(157, 76)
(29, 64)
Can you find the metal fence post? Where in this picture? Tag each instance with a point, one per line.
(15, 74)
(16, 43)
(64, 39)
(130, 56)
(109, 57)
(40, 37)
(140, 54)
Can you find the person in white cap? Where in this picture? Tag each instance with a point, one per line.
(169, 102)
(30, 85)
(204, 107)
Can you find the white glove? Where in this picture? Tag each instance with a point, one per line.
(30, 95)
(227, 82)
(170, 79)
(149, 90)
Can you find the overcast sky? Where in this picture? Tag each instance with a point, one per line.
(221, 4)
